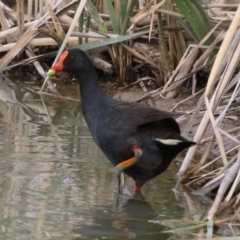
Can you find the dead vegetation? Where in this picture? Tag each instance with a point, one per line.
(174, 51)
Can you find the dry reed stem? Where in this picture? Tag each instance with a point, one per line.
(177, 69)
(36, 8)
(217, 134)
(101, 64)
(40, 70)
(217, 96)
(184, 70)
(8, 57)
(223, 5)
(186, 99)
(237, 200)
(236, 129)
(57, 25)
(198, 180)
(36, 64)
(37, 42)
(170, 13)
(58, 96)
(217, 158)
(223, 187)
(176, 40)
(202, 161)
(229, 54)
(20, 16)
(90, 35)
(23, 41)
(13, 30)
(141, 4)
(5, 7)
(211, 184)
(224, 47)
(29, 10)
(152, 21)
(233, 188)
(151, 12)
(142, 14)
(232, 160)
(140, 56)
(39, 22)
(205, 120)
(4, 24)
(146, 21)
(233, 82)
(234, 139)
(75, 19)
(194, 115)
(235, 60)
(202, 59)
(144, 97)
(187, 61)
(214, 182)
(182, 230)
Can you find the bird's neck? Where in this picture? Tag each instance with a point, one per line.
(93, 99)
(89, 87)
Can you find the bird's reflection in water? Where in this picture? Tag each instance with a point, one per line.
(127, 219)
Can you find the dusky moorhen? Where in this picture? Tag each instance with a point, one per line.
(139, 140)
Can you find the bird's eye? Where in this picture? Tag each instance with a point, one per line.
(71, 57)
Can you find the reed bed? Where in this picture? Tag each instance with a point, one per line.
(221, 92)
(173, 45)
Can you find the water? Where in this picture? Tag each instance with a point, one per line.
(56, 184)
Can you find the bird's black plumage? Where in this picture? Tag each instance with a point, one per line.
(117, 126)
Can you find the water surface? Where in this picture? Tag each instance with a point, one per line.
(56, 184)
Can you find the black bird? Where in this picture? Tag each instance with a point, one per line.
(139, 140)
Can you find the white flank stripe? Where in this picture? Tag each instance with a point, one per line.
(171, 142)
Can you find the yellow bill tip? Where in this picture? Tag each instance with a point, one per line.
(51, 72)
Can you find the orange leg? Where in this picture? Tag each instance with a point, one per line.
(131, 161)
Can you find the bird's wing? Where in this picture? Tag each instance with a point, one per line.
(130, 116)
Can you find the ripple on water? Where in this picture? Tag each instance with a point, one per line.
(56, 184)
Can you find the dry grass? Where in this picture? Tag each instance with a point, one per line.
(223, 88)
(172, 61)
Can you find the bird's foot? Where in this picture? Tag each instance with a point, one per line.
(126, 191)
(120, 180)
(137, 189)
(176, 190)
(121, 184)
